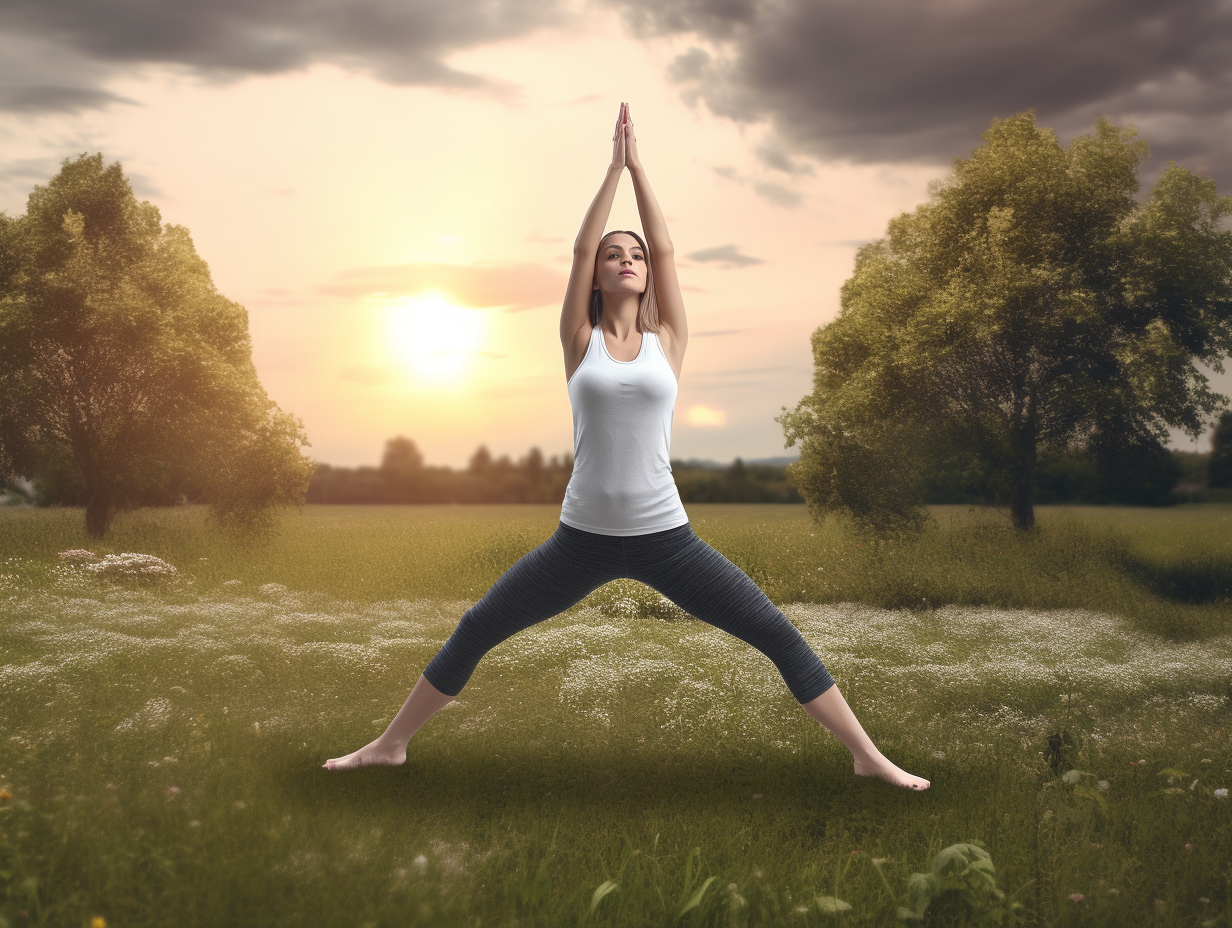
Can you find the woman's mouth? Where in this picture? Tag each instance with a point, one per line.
(628, 273)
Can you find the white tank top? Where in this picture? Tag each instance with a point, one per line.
(622, 431)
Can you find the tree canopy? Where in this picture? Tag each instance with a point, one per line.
(123, 363)
(1032, 304)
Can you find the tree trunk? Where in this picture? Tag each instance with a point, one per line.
(98, 514)
(1022, 477)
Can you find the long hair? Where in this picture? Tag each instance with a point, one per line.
(647, 305)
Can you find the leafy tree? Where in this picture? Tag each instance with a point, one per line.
(481, 460)
(1032, 305)
(120, 356)
(532, 465)
(1219, 467)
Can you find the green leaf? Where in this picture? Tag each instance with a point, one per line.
(830, 905)
(603, 890)
(696, 898)
(694, 855)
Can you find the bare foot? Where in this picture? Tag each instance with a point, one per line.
(881, 767)
(376, 754)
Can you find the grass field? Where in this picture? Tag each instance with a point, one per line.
(1067, 693)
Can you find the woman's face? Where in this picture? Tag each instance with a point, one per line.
(620, 266)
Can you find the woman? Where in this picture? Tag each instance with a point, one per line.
(623, 331)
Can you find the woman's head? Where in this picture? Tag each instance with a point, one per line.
(622, 265)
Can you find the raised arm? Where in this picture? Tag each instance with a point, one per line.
(575, 313)
(674, 331)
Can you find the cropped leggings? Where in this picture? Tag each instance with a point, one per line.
(572, 563)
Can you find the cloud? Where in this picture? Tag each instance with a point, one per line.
(39, 75)
(513, 286)
(919, 80)
(706, 417)
(725, 256)
(66, 49)
(775, 192)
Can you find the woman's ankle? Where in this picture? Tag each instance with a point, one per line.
(389, 744)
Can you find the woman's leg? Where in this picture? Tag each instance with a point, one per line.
(710, 587)
(543, 583)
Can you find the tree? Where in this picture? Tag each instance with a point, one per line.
(1219, 467)
(532, 465)
(1033, 304)
(120, 355)
(481, 460)
(402, 458)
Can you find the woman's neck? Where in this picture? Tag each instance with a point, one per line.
(620, 313)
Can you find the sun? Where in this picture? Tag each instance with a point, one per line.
(433, 337)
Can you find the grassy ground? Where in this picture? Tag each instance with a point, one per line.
(1067, 694)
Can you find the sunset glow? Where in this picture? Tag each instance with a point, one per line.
(394, 206)
(704, 416)
(435, 339)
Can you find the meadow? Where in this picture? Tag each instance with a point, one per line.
(1067, 693)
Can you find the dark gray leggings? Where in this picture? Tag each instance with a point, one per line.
(572, 563)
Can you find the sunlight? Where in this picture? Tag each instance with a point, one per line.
(433, 337)
(705, 417)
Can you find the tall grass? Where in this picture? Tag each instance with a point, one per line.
(1170, 570)
(161, 746)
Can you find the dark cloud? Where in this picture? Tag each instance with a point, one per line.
(725, 256)
(82, 42)
(919, 80)
(40, 75)
(515, 286)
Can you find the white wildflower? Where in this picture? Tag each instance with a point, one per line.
(78, 555)
(154, 714)
(131, 566)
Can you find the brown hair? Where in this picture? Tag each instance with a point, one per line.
(647, 305)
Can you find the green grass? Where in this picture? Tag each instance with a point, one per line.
(1168, 570)
(162, 745)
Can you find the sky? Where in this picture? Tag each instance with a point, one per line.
(391, 188)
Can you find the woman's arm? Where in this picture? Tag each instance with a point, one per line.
(662, 257)
(575, 313)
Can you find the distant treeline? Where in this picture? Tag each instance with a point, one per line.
(1154, 478)
(402, 477)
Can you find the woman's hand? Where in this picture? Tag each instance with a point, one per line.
(619, 145)
(632, 161)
